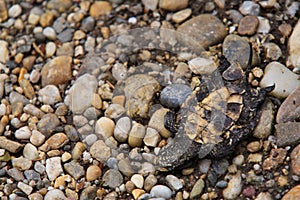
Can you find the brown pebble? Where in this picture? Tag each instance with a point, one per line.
(55, 142)
(28, 62)
(295, 160)
(254, 146)
(93, 172)
(99, 8)
(294, 193)
(3, 11)
(22, 72)
(248, 25)
(173, 5)
(27, 88)
(46, 19)
(285, 29)
(275, 158)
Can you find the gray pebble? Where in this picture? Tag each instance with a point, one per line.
(60, 24)
(48, 123)
(249, 8)
(54, 194)
(122, 129)
(88, 193)
(112, 163)
(112, 178)
(220, 166)
(49, 95)
(39, 167)
(14, 11)
(15, 174)
(74, 169)
(174, 95)
(174, 182)
(71, 133)
(66, 35)
(161, 191)
(32, 175)
(88, 24)
(221, 184)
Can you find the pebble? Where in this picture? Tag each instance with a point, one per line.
(32, 175)
(33, 19)
(112, 178)
(15, 174)
(25, 188)
(264, 196)
(249, 191)
(139, 91)
(173, 182)
(15, 11)
(53, 168)
(136, 135)
(54, 142)
(93, 172)
(248, 25)
(122, 128)
(3, 11)
(46, 19)
(49, 95)
(77, 151)
(150, 181)
(285, 29)
(264, 26)
(182, 15)
(197, 189)
(57, 71)
(204, 30)
(23, 133)
(33, 110)
(81, 93)
(54, 194)
(89, 193)
(220, 166)
(253, 146)
(173, 5)
(125, 167)
(4, 52)
(287, 133)
(150, 4)
(138, 180)
(293, 44)
(66, 35)
(87, 25)
(71, 133)
(100, 151)
(221, 184)
(295, 160)
(105, 127)
(35, 75)
(37, 138)
(202, 66)
(234, 187)
(174, 95)
(204, 165)
(30, 152)
(289, 110)
(272, 50)
(249, 8)
(236, 49)
(161, 191)
(136, 193)
(265, 124)
(21, 163)
(114, 111)
(59, 5)
(74, 169)
(49, 33)
(157, 122)
(27, 88)
(152, 137)
(39, 167)
(285, 81)
(100, 8)
(276, 157)
(47, 124)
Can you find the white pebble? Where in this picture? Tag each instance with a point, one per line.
(15, 11)
(174, 182)
(161, 191)
(50, 49)
(138, 180)
(49, 33)
(23, 133)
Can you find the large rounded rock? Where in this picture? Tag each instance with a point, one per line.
(203, 30)
(294, 46)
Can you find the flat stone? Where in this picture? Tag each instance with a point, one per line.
(100, 8)
(21, 163)
(56, 141)
(182, 15)
(173, 182)
(161, 191)
(173, 5)
(100, 151)
(112, 178)
(285, 80)
(23, 133)
(248, 25)
(3, 12)
(105, 127)
(47, 124)
(234, 187)
(66, 35)
(264, 127)
(74, 169)
(236, 49)
(93, 172)
(57, 71)
(294, 45)
(202, 31)
(25, 188)
(55, 194)
(294, 193)
(30, 152)
(32, 175)
(157, 122)
(287, 133)
(202, 66)
(289, 110)
(295, 160)
(4, 52)
(49, 95)
(59, 5)
(15, 174)
(53, 168)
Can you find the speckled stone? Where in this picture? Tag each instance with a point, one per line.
(248, 25)
(173, 5)
(99, 8)
(294, 193)
(112, 178)
(100, 151)
(59, 5)
(74, 169)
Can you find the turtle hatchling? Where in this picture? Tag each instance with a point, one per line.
(214, 118)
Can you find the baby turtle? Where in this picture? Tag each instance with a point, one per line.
(223, 111)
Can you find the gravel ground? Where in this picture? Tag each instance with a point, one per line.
(85, 87)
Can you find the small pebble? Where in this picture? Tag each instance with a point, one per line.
(138, 180)
(173, 182)
(161, 191)
(14, 11)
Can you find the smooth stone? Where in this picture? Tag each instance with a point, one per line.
(203, 31)
(49, 95)
(50, 49)
(152, 137)
(122, 129)
(293, 46)
(15, 174)
(136, 193)
(221, 184)
(10, 145)
(56, 141)
(3, 12)
(15, 97)
(21, 163)
(125, 167)
(138, 180)
(57, 71)
(39, 167)
(30, 152)
(35, 76)
(60, 24)
(139, 91)
(100, 151)
(150, 4)
(293, 193)
(100, 8)
(249, 8)
(220, 166)
(119, 71)
(202, 66)
(174, 95)
(161, 191)
(173, 182)
(248, 25)
(79, 120)
(14, 11)
(112, 178)
(265, 124)
(295, 160)
(157, 122)
(150, 181)
(93, 172)
(36, 196)
(87, 24)
(59, 5)
(78, 150)
(4, 52)
(23, 133)
(46, 19)
(53, 168)
(81, 93)
(114, 111)
(235, 16)
(264, 26)
(25, 188)
(182, 15)
(66, 49)
(272, 50)
(136, 135)
(27, 88)
(236, 49)
(88, 193)
(66, 35)
(287, 133)
(37, 138)
(50, 33)
(234, 187)
(173, 5)
(74, 169)
(71, 133)
(33, 110)
(289, 110)
(105, 127)
(285, 80)
(55, 194)
(47, 124)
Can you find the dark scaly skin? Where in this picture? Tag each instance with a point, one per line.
(184, 149)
